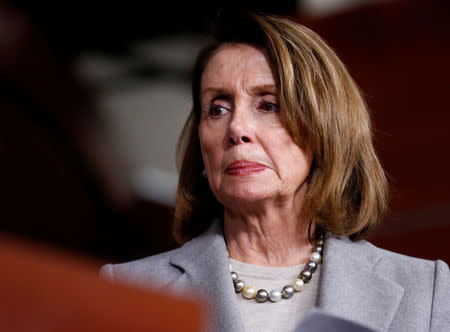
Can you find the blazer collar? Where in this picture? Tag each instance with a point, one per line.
(351, 288)
(206, 267)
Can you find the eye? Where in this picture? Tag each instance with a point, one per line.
(216, 111)
(269, 107)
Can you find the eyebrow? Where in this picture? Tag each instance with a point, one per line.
(263, 90)
(221, 96)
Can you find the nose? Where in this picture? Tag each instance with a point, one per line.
(240, 127)
(238, 140)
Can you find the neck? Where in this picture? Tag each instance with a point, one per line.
(270, 237)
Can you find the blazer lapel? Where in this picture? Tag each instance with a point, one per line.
(350, 287)
(205, 264)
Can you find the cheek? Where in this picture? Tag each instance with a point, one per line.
(291, 161)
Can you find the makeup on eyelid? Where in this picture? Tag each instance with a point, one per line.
(265, 106)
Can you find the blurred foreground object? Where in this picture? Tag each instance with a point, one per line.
(47, 291)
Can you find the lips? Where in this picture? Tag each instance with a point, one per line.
(244, 167)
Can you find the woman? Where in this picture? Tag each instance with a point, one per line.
(279, 181)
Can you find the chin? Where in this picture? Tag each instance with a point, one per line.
(249, 193)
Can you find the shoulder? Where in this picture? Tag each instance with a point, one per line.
(164, 268)
(412, 273)
(396, 264)
(423, 275)
(426, 283)
(385, 261)
(151, 270)
(421, 286)
(415, 275)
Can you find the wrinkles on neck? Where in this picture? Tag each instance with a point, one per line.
(268, 237)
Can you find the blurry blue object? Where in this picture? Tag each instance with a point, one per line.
(319, 321)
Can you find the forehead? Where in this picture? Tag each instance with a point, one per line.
(234, 64)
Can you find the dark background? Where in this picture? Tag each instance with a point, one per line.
(54, 187)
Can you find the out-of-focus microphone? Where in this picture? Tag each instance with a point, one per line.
(319, 321)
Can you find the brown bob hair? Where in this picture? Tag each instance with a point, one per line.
(322, 109)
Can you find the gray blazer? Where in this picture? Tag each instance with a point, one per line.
(380, 289)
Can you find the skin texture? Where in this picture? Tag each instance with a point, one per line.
(254, 167)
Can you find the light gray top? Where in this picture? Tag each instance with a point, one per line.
(360, 282)
(284, 315)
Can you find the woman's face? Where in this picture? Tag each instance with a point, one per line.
(249, 156)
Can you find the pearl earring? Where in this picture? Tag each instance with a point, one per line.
(204, 174)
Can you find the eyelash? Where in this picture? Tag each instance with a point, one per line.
(263, 106)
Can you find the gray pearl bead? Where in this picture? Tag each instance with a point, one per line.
(275, 295)
(311, 266)
(288, 291)
(315, 257)
(239, 286)
(234, 276)
(305, 275)
(262, 295)
(318, 249)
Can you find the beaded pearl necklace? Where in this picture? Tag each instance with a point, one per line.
(288, 291)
